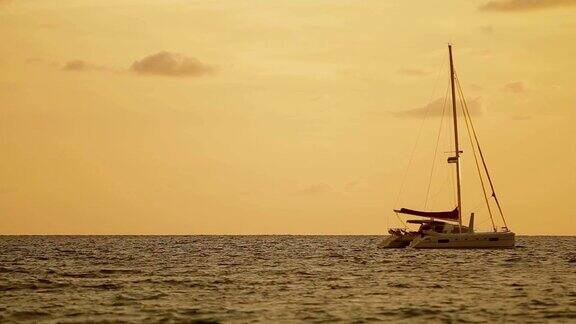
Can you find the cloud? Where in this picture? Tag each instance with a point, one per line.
(515, 87)
(524, 5)
(484, 53)
(521, 117)
(413, 72)
(475, 87)
(434, 108)
(34, 59)
(162, 63)
(314, 190)
(170, 64)
(79, 65)
(488, 29)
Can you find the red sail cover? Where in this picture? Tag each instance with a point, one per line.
(440, 215)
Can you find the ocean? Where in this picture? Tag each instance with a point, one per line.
(204, 279)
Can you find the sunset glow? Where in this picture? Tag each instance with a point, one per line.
(274, 117)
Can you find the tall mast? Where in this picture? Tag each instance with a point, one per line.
(456, 146)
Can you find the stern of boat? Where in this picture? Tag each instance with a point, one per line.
(396, 241)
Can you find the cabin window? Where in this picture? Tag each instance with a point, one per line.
(493, 239)
(443, 241)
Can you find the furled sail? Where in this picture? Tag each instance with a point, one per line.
(451, 215)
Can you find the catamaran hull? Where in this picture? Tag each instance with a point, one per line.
(396, 241)
(465, 241)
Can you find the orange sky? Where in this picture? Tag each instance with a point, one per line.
(276, 117)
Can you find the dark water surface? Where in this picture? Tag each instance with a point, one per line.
(281, 279)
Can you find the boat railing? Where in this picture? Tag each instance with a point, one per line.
(398, 231)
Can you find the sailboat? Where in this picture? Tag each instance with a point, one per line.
(444, 229)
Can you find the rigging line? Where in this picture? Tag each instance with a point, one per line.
(475, 209)
(482, 222)
(387, 221)
(434, 195)
(401, 220)
(485, 166)
(466, 119)
(417, 139)
(436, 148)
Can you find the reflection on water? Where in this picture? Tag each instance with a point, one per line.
(281, 278)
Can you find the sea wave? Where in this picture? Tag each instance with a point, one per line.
(205, 279)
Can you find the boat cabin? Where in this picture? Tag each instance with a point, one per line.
(427, 226)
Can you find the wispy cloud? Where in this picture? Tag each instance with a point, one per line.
(570, 25)
(487, 29)
(171, 64)
(521, 117)
(313, 190)
(475, 87)
(483, 53)
(524, 5)
(34, 59)
(515, 87)
(80, 65)
(435, 108)
(413, 72)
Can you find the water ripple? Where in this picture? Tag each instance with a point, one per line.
(208, 279)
